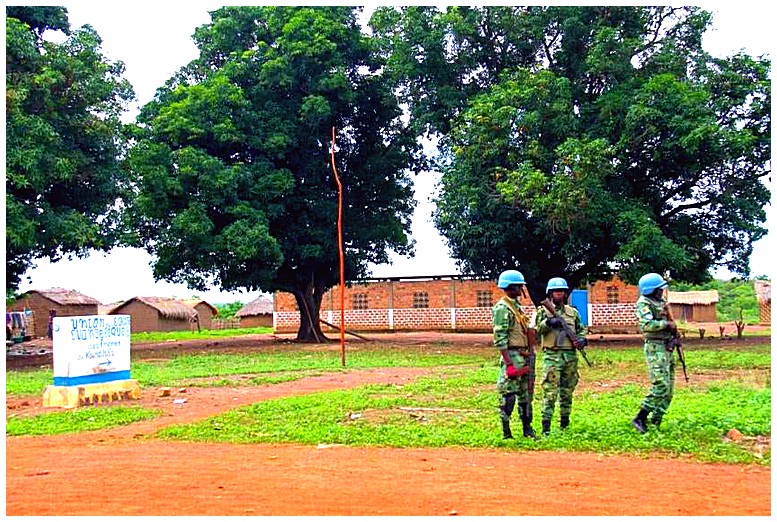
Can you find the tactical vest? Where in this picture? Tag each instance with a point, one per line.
(519, 336)
(549, 338)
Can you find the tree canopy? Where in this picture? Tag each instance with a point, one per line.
(233, 157)
(584, 141)
(64, 138)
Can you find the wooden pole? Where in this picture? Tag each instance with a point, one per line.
(342, 254)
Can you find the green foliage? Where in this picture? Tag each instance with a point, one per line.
(183, 335)
(227, 311)
(584, 140)
(233, 158)
(73, 421)
(63, 140)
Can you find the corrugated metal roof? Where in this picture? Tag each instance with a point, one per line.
(167, 307)
(259, 306)
(65, 297)
(696, 297)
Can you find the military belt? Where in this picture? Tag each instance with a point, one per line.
(661, 339)
(523, 350)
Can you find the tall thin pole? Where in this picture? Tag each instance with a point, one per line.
(342, 254)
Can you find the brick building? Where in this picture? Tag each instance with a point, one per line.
(66, 303)
(763, 292)
(611, 306)
(455, 303)
(460, 303)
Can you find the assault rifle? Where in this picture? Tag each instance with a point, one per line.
(531, 334)
(577, 342)
(674, 342)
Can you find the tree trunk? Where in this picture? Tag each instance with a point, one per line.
(309, 305)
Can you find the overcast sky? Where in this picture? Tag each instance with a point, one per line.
(154, 40)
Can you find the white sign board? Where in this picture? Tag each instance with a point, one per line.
(91, 348)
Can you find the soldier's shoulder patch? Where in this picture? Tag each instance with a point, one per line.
(645, 312)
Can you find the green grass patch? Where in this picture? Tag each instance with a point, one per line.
(158, 337)
(27, 381)
(459, 408)
(77, 420)
(192, 369)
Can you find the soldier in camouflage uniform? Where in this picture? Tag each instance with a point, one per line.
(657, 330)
(559, 356)
(511, 338)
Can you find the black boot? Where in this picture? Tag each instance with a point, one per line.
(655, 420)
(564, 422)
(639, 422)
(528, 431)
(545, 427)
(506, 432)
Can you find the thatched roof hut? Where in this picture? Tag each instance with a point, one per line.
(60, 301)
(258, 312)
(205, 311)
(157, 314)
(698, 306)
(696, 297)
(65, 297)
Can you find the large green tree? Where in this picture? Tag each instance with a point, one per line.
(63, 179)
(233, 160)
(582, 141)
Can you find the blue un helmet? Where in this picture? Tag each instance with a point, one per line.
(510, 277)
(556, 283)
(649, 283)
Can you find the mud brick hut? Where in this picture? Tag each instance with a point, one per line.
(258, 312)
(698, 306)
(158, 314)
(65, 303)
(205, 312)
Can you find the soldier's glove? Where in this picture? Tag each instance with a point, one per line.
(514, 373)
(581, 342)
(554, 322)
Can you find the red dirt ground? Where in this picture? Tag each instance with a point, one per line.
(125, 471)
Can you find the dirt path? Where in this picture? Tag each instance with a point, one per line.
(125, 471)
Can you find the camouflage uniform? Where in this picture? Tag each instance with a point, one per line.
(559, 359)
(653, 322)
(511, 334)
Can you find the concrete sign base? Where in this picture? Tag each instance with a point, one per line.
(90, 394)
